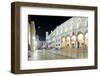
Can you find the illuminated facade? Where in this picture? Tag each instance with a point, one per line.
(73, 33)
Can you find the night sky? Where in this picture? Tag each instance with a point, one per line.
(45, 24)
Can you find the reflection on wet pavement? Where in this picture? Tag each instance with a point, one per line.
(46, 55)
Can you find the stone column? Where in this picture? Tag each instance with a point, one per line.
(76, 43)
(70, 41)
(84, 40)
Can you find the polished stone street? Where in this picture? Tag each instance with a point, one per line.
(47, 55)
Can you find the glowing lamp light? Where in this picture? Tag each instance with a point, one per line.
(33, 37)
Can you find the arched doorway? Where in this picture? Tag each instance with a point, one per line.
(73, 40)
(63, 42)
(81, 40)
(86, 40)
(67, 41)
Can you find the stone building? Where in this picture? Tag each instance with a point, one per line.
(73, 34)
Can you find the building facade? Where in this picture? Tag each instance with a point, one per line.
(73, 33)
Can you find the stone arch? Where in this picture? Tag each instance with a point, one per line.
(80, 40)
(67, 44)
(63, 42)
(73, 40)
(86, 40)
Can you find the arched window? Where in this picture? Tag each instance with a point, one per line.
(86, 40)
(80, 40)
